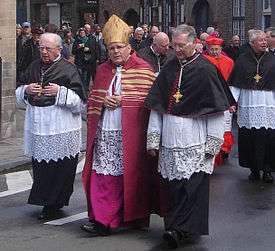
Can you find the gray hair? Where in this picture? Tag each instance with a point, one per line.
(56, 39)
(185, 29)
(139, 29)
(210, 30)
(254, 34)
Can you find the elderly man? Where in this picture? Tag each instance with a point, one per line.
(253, 86)
(203, 38)
(225, 66)
(156, 54)
(233, 50)
(186, 126)
(118, 175)
(136, 40)
(51, 91)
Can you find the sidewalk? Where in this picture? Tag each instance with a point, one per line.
(12, 152)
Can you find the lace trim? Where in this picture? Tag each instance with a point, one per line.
(54, 147)
(153, 140)
(212, 145)
(179, 163)
(108, 153)
(62, 98)
(257, 117)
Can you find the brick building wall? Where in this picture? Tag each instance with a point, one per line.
(8, 55)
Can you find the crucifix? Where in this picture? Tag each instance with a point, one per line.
(177, 96)
(257, 77)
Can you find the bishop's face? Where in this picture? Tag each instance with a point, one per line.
(183, 47)
(49, 49)
(119, 53)
(259, 45)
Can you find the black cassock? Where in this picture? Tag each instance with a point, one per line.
(204, 91)
(259, 153)
(53, 180)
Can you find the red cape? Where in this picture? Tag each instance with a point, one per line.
(223, 63)
(144, 190)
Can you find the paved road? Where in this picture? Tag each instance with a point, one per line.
(242, 217)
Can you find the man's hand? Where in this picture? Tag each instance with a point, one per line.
(118, 100)
(51, 89)
(152, 152)
(208, 156)
(34, 89)
(112, 102)
(232, 109)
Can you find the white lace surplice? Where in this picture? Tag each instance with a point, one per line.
(255, 108)
(183, 143)
(52, 132)
(107, 155)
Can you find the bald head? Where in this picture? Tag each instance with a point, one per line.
(161, 43)
(203, 37)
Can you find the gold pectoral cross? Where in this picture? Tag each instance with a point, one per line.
(177, 96)
(257, 77)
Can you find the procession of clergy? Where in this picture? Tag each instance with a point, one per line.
(158, 121)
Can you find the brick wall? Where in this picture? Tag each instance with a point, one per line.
(8, 55)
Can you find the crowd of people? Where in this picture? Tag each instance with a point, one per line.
(159, 119)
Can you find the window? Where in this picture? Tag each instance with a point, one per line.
(238, 27)
(266, 5)
(266, 14)
(180, 12)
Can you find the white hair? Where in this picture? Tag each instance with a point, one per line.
(185, 29)
(254, 34)
(210, 30)
(53, 37)
(139, 29)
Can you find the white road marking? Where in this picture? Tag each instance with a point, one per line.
(17, 182)
(69, 219)
(80, 166)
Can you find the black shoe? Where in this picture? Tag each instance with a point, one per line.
(96, 229)
(49, 213)
(88, 227)
(267, 177)
(172, 238)
(253, 176)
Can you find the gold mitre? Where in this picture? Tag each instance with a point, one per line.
(116, 31)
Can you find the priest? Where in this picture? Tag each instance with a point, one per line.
(52, 93)
(120, 180)
(186, 127)
(253, 86)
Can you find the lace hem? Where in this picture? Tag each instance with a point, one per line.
(53, 147)
(153, 140)
(212, 145)
(107, 156)
(181, 163)
(260, 116)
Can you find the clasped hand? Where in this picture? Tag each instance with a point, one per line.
(112, 102)
(36, 89)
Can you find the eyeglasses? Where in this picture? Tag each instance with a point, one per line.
(118, 47)
(49, 49)
(180, 46)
